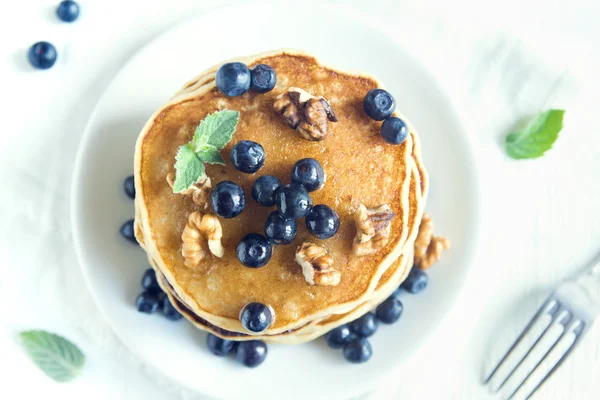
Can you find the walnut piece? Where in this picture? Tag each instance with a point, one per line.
(317, 265)
(372, 228)
(428, 248)
(307, 114)
(200, 191)
(202, 230)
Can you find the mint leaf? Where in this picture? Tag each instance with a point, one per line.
(216, 129)
(536, 137)
(211, 135)
(188, 168)
(210, 154)
(57, 357)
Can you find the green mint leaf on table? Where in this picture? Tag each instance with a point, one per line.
(210, 154)
(57, 357)
(188, 168)
(536, 136)
(211, 135)
(216, 129)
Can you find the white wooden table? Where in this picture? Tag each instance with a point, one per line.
(498, 61)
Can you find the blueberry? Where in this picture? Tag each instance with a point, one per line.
(337, 337)
(42, 55)
(161, 297)
(233, 79)
(129, 187)
(149, 280)
(169, 311)
(254, 250)
(280, 229)
(394, 130)
(263, 78)
(247, 156)
(67, 11)
(219, 347)
(365, 326)
(147, 302)
(128, 232)
(322, 221)
(264, 190)
(416, 281)
(228, 199)
(251, 353)
(293, 201)
(256, 317)
(379, 104)
(390, 310)
(358, 350)
(309, 173)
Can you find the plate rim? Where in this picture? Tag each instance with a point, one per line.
(351, 14)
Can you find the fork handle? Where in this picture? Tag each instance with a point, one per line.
(589, 282)
(591, 272)
(595, 270)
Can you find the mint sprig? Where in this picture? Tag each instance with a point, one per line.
(536, 136)
(56, 356)
(211, 135)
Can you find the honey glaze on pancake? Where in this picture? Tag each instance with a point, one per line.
(389, 281)
(360, 168)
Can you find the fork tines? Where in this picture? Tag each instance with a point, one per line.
(538, 343)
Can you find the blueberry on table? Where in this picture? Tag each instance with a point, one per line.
(147, 302)
(256, 317)
(358, 350)
(280, 229)
(394, 130)
(251, 353)
(364, 326)
(390, 310)
(149, 280)
(263, 78)
(128, 232)
(42, 55)
(309, 173)
(129, 187)
(337, 337)
(254, 250)
(219, 347)
(233, 79)
(322, 221)
(379, 104)
(293, 201)
(169, 311)
(264, 190)
(67, 11)
(228, 199)
(416, 281)
(247, 156)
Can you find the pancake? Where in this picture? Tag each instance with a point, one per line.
(307, 332)
(390, 280)
(361, 168)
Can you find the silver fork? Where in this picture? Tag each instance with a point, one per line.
(569, 310)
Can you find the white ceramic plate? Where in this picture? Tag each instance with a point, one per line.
(113, 267)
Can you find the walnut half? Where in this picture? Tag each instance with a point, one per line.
(200, 191)
(372, 228)
(317, 265)
(202, 230)
(307, 114)
(428, 248)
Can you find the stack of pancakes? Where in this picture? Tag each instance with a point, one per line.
(360, 167)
